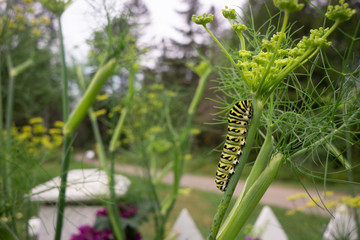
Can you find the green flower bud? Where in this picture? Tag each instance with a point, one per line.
(229, 13)
(244, 53)
(238, 27)
(340, 12)
(288, 5)
(202, 20)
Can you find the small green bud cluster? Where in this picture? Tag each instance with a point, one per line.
(288, 5)
(202, 20)
(238, 27)
(264, 70)
(229, 13)
(57, 7)
(254, 67)
(316, 39)
(340, 13)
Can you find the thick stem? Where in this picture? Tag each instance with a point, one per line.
(240, 213)
(111, 204)
(260, 164)
(67, 139)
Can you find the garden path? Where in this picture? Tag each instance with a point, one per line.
(276, 194)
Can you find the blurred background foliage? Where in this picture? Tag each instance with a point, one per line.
(28, 30)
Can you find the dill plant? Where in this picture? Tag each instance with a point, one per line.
(160, 131)
(294, 129)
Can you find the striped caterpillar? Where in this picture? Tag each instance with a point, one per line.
(238, 120)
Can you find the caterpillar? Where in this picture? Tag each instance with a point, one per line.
(238, 121)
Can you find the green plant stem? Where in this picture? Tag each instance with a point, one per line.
(260, 164)
(113, 211)
(181, 147)
(226, 52)
(5, 232)
(220, 213)
(67, 139)
(111, 204)
(8, 122)
(89, 96)
(124, 111)
(240, 214)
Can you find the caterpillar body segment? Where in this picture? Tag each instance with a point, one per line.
(238, 121)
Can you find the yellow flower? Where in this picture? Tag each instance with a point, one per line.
(151, 95)
(36, 120)
(351, 201)
(36, 32)
(45, 141)
(36, 139)
(296, 196)
(34, 21)
(117, 108)
(157, 86)
(102, 97)
(55, 131)
(57, 139)
(30, 10)
(329, 193)
(156, 129)
(19, 215)
(313, 202)
(26, 128)
(20, 17)
(330, 204)
(157, 103)
(39, 128)
(59, 124)
(100, 112)
(45, 20)
(187, 157)
(17, 8)
(25, 135)
(293, 211)
(195, 131)
(290, 212)
(170, 93)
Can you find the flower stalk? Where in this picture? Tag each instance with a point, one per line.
(67, 138)
(114, 216)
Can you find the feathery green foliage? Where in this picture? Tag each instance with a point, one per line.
(265, 70)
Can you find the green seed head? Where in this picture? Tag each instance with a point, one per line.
(288, 5)
(202, 20)
(229, 13)
(340, 12)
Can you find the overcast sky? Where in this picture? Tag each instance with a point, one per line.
(84, 16)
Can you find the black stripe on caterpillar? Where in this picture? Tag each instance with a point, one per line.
(238, 121)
